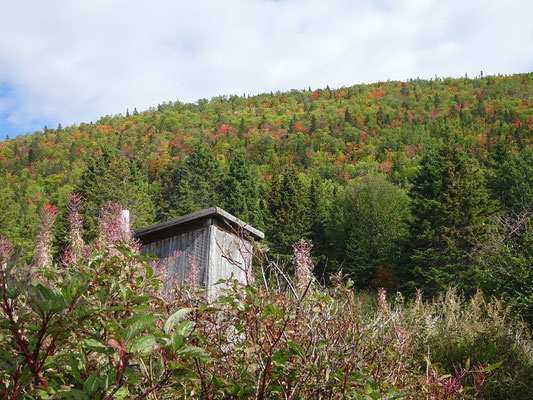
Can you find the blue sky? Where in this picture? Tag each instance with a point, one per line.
(75, 61)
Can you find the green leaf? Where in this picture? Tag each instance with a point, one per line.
(138, 324)
(74, 394)
(126, 252)
(175, 318)
(149, 271)
(147, 257)
(177, 340)
(75, 370)
(192, 351)
(142, 308)
(143, 345)
(185, 328)
(95, 345)
(92, 383)
(296, 348)
(490, 367)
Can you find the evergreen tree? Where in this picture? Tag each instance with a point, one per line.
(287, 211)
(242, 127)
(313, 126)
(239, 191)
(317, 215)
(35, 152)
(348, 117)
(512, 183)
(205, 176)
(174, 198)
(10, 211)
(451, 208)
(110, 178)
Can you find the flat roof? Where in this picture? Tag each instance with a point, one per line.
(216, 212)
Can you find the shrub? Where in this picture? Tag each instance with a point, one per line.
(103, 327)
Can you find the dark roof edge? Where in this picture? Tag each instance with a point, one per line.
(207, 212)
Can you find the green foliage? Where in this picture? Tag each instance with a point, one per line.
(505, 261)
(90, 332)
(512, 183)
(451, 208)
(287, 209)
(239, 192)
(102, 327)
(174, 197)
(367, 226)
(453, 331)
(110, 178)
(179, 157)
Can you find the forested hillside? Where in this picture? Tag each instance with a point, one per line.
(420, 184)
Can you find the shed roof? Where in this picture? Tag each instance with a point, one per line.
(212, 212)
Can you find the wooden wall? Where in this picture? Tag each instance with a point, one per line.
(219, 253)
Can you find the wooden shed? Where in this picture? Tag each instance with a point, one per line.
(218, 242)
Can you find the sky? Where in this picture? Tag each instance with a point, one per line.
(74, 61)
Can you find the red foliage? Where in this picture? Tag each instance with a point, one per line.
(315, 95)
(385, 166)
(225, 130)
(50, 209)
(377, 93)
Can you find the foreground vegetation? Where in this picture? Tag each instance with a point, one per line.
(99, 324)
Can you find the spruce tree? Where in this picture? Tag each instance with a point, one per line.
(205, 176)
(451, 209)
(110, 178)
(512, 182)
(239, 191)
(287, 212)
(174, 198)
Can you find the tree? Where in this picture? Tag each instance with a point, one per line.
(368, 225)
(174, 197)
(110, 178)
(313, 126)
(239, 191)
(10, 211)
(505, 259)
(451, 208)
(205, 175)
(512, 183)
(287, 210)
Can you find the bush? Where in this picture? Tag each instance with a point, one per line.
(101, 326)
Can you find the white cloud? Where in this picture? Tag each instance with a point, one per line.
(74, 61)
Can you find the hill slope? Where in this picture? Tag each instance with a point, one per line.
(399, 183)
